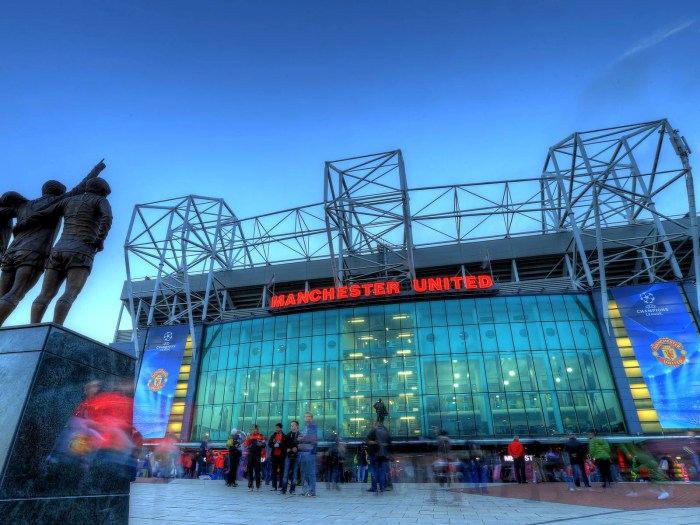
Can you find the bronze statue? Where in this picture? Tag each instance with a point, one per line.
(24, 259)
(87, 219)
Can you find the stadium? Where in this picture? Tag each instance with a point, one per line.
(562, 303)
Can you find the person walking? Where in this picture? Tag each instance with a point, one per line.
(255, 444)
(517, 451)
(234, 454)
(291, 459)
(361, 459)
(308, 447)
(276, 445)
(599, 450)
(577, 457)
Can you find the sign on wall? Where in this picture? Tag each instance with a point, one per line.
(157, 381)
(667, 346)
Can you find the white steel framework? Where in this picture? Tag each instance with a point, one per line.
(622, 198)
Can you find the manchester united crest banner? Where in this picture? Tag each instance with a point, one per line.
(157, 381)
(667, 346)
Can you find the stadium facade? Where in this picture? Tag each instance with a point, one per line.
(561, 303)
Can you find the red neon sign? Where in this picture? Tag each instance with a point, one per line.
(379, 289)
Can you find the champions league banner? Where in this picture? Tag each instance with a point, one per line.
(157, 381)
(667, 347)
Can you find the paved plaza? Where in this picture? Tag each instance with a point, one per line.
(211, 502)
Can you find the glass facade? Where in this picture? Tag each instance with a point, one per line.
(475, 367)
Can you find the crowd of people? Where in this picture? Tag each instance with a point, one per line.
(290, 462)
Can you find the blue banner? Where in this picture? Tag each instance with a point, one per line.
(157, 381)
(667, 346)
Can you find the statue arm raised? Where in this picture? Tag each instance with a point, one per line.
(80, 188)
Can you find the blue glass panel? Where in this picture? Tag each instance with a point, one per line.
(279, 348)
(318, 348)
(439, 315)
(426, 341)
(376, 318)
(304, 349)
(472, 338)
(332, 348)
(573, 307)
(268, 330)
(245, 331)
(483, 310)
(429, 367)
(291, 353)
(544, 307)
(266, 353)
(292, 326)
(256, 330)
(551, 336)
(469, 313)
(500, 312)
(305, 323)
(319, 323)
(566, 338)
(515, 309)
(504, 337)
(454, 312)
(255, 354)
(230, 386)
(280, 327)
(531, 310)
(558, 307)
(423, 315)
(457, 341)
(521, 336)
(489, 343)
(441, 340)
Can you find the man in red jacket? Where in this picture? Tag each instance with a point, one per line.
(517, 452)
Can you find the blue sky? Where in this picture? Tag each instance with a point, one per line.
(235, 99)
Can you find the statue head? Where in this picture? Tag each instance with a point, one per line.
(11, 199)
(53, 187)
(99, 186)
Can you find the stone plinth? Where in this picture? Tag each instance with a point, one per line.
(43, 373)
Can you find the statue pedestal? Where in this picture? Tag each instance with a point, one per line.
(43, 371)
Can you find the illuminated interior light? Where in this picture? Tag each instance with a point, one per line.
(511, 373)
(404, 335)
(400, 316)
(273, 384)
(357, 419)
(407, 418)
(506, 383)
(366, 338)
(356, 354)
(569, 369)
(405, 373)
(557, 380)
(456, 376)
(318, 383)
(403, 352)
(357, 375)
(456, 385)
(356, 320)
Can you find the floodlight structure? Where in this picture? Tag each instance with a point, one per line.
(620, 189)
(367, 210)
(181, 240)
(612, 207)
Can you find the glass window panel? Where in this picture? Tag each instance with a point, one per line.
(429, 366)
(482, 415)
(477, 373)
(264, 385)
(408, 315)
(536, 336)
(454, 313)
(494, 379)
(504, 337)
(573, 307)
(469, 314)
(423, 315)
(235, 333)
(472, 338)
(499, 412)
(489, 343)
(588, 372)
(602, 367)
(558, 307)
(245, 331)
(535, 417)
(280, 327)
(268, 332)
(232, 352)
(304, 349)
(293, 326)
(457, 337)
(568, 412)
(291, 352)
(253, 377)
(206, 357)
(379, 377)
(319, 323)
(500, 311)
(318, 348)
(593, 334)
(521, 339)
(439, 316)
(376, 318)
(445, 375)
(318, 383)
(460, 370)
(441, 340)
(241, 386)
(220, 387)
(305, 322)
(550, 335)
(291, 383)
(256, 330)
(566, 338)
(332, 348)
(544, 307)
(556, 361)
(360, 318)
(583, 412)
(587, 312)
(266, 353)
(205, 422)
(530, 308)
(304, 388)
(526, 371)
(515, 309)
(516, 413)
(552, 414)
(614, 413)
(426, 341)
(279, 348)
(215, 425)
(255, 354)
(573, 370)
(543, 371)
(483, 310)
(230, 386)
